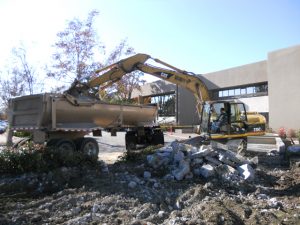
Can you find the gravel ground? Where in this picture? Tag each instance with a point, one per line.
(118, 192)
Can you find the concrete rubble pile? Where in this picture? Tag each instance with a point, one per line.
(184, 161)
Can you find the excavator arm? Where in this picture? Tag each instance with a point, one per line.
(113, 73)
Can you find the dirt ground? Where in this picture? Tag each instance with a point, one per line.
(118, 192)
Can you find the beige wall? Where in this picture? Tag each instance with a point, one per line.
(187, 112)
(157, 87)
(284, 88)
(237, 76)
(256, 104)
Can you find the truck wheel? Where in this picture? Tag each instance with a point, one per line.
(130, 140)
(158, 138)
(65, 150)
(90, 149)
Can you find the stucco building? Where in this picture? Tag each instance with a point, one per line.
(270, 87)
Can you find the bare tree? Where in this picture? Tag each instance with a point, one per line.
(10, 87)
(20, 77)
(24, 69)
(74, 58)
(74, 50)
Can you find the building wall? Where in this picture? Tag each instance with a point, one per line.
(284, 88)
(237, 76)
(157, 87)
(187, 112)
(256, 104)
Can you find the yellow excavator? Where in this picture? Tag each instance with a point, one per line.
(238, 125)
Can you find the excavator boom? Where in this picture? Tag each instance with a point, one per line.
(113, 73)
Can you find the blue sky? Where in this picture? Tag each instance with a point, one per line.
(196, 35)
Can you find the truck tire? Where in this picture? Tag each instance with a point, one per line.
(130, 140)
(90, 149)
(64, 149)
(158, 138)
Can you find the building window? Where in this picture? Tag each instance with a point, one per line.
(245, 91)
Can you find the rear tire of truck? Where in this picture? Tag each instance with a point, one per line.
(65, 150)
(158, 138)
(90, 149)
(130, 140)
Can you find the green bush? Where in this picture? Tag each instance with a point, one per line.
(19, 161)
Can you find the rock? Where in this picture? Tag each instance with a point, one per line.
(226, 171)
(190, 175)
(246, 171)
(156, 185)
(197, 161)
(212, 160)
(76, 211)
(184, 169)
(132, 184)
(147, 175)
(176, 146)
(36, 218)
(178, 156)
(273, 203)
(95, 208)
(169, 177)
(203, 151)
(158, 159)
(197, 172)
(161, 213)
(262, 196)
(144, 213)
(225, 160)
(207, 170)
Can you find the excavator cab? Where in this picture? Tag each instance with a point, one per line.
(223, 119)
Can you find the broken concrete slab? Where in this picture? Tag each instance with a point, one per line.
(182, 171)
(203, 151)
(246, 171)
(212, 160)
(207, 170)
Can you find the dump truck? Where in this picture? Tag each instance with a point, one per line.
(63, 120)
(53, 120)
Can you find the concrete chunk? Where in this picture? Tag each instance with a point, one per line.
(213, 160)
(157, 160)
(246, 171)
(178, 156)
(225, 160)
(207, 170)
(203, 151)
(182, 171)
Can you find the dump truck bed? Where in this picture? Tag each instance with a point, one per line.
(53, 112)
